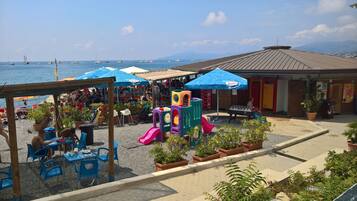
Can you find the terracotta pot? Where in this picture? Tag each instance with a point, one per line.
(311, 116)
(160, 166)
(197, 159)
(37, 127)
(228, 152)
(252, 146)
(352, 146)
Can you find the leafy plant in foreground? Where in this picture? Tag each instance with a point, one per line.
(241, 185)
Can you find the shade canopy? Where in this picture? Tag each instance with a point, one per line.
(125, 79)
(218, 79)
(134, 70)
(95, 73)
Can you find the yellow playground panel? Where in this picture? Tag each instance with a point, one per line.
(181, 98)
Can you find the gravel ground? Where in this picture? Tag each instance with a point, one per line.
(133, 160)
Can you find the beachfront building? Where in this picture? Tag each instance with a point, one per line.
(280, 77)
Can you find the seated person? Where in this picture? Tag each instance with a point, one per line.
(250, 104)
(69, 134)
(4, 133)
(38, 143)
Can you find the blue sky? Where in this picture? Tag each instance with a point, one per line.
(88, 29)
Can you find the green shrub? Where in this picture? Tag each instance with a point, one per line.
(228, 137)
(205, 149)
(255, 131)
(351, 133)
(175, 150)
(241, 185)
(40, 113)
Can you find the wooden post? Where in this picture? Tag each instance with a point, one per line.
(13, 147)
(57, 114)
(111, 131)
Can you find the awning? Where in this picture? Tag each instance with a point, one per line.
(164, 74)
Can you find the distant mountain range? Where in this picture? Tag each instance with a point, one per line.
(342, 48)
(192, 56)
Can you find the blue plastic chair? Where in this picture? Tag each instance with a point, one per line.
(6, 179)
(88, 169)
(82, 144)
(105, 156)
(40, 154)
(49, 169)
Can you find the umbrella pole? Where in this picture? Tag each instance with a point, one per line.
(117, 95)
(217, 103)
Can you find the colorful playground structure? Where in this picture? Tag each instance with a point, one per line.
(184, 115)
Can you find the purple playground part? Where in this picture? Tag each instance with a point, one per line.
(176, 110)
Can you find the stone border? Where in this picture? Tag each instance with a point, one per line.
(122, 184)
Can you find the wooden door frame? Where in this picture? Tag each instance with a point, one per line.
(260, 80)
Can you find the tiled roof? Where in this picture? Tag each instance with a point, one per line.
(282, 60)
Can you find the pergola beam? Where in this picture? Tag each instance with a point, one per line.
(13, 147)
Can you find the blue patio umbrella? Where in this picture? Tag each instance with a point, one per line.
(220, 80)
(124, 79)
(95, 73)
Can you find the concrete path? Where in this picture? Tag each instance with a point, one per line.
(192, 186)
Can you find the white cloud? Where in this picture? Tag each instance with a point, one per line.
(213, 18)
(346, 19)
(323, 30)
(126, 30)
(331, 6)
(250, 41)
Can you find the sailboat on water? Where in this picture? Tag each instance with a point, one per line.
(25, 60)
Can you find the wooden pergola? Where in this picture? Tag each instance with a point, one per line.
(9, 92)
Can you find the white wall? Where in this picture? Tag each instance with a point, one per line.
(282, 96)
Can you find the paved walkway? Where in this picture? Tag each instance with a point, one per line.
(192, 186)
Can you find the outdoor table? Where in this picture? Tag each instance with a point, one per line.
(55, 142)
(239, 109)
(75, 157)
(88, 128)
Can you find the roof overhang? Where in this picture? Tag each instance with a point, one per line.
(48, 88)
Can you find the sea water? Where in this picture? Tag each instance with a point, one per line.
(20, 73)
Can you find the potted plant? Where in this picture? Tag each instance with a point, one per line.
(170, 156)
(41, 115)
(311, 106)
(205, 152)
(229, 141)
(351, 135)
(255, 132)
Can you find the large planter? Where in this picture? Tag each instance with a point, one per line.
(160, 166)
(311, 116)
(228, 152)
(197, 159)
(352, 146)
(252, 146)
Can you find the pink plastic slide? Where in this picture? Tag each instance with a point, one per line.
(149, 136)
(206, 126)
